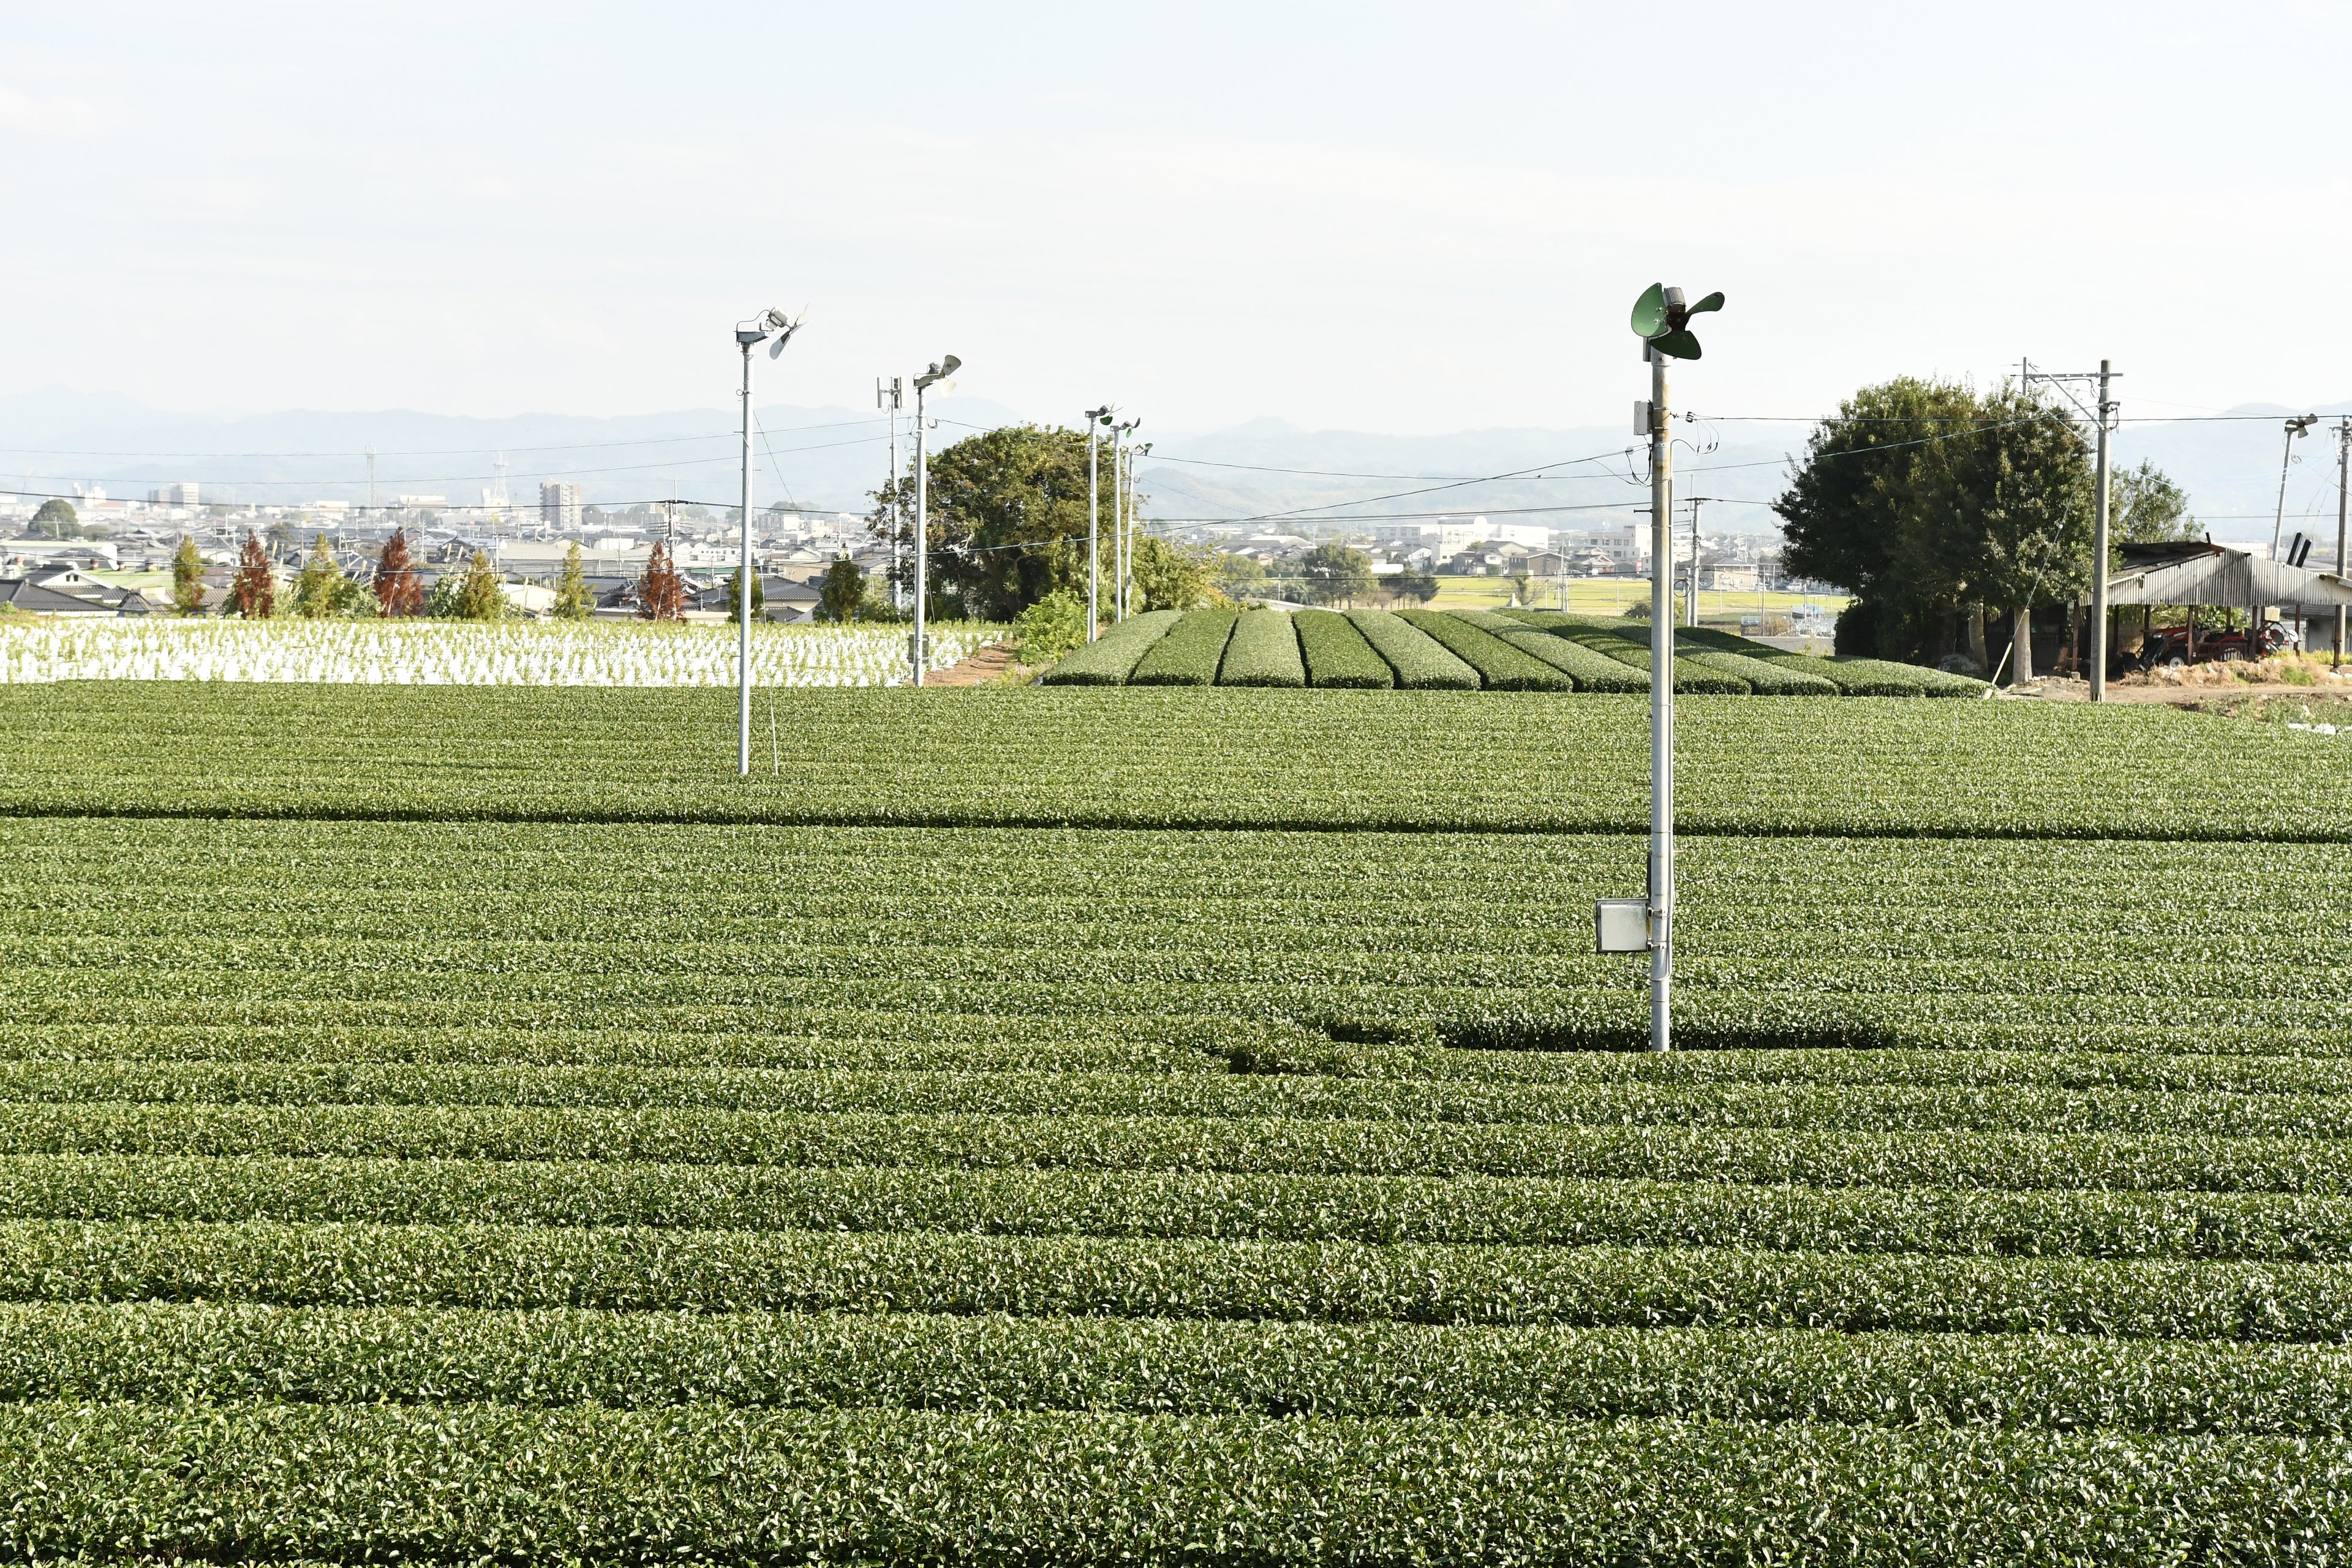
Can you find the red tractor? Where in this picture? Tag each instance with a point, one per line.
(2167, 646)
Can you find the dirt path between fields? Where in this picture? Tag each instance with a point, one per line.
(987, 665)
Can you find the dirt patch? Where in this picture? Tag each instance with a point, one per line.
(995, 662)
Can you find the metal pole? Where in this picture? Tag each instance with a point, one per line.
(1662, 713)
(1117, 535)
(2343, 494)
(891, 397)
(1690, 606)
(1094, 527)
(743, 586)
(2099, 525)
(918, 649)
(2286, 461)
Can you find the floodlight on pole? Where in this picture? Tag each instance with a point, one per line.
(1662, 321)
(2256, 614)
(775, 328)
(919, 648)
(1096, 419)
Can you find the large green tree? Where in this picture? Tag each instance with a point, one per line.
(1334, 574)
(1008, 520)
(1931, 503)
(55, 519)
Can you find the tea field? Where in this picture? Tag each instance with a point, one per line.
(1122, 1125)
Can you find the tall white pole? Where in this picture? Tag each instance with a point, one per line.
(1118, 534)
(743, 586)
(1662, 713)
(2343, 498)
(889, 397)
(1094, 572)
(2101, 522)
(919, 649)
(1690, 606)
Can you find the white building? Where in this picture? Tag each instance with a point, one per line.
(558, 506)
(181, 494)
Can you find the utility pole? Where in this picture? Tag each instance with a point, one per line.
(2296, 429)
(761, 329)
(371, 458)
(1118, 519)
(2343, 496)
(1096, 419)
(1690, 606)
(918, 646)
(2099, 527)
(891, 396)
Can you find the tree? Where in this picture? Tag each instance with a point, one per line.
(396, 588)
(735, 594)
(2145, 507)
(1925, 500)
(1008, 522)
(55, 520)
(253, 592)
(841, 591)
(661, 592)
(319, 592)
(188, 578)
(1419, 586)
(1168, 576)
(1052, 626)
(479, 599)
(573, 600)
(1234, 576)
(1335, 574)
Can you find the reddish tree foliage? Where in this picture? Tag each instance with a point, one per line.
(253, 593)
(397, 587)
(661, 592)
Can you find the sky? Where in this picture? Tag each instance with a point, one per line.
(1410, 218)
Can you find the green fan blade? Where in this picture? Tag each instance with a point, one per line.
(1678, 345)
(1712, 302)
(1650, 312)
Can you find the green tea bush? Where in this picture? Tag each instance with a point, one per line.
(1605, 638)
(1188, 654)
(1422, 663)
(1590, 670)
(1263, 652)
(1112, 658)
(1500, 667)
(1337, 654)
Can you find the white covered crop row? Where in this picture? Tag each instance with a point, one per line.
(442, 653)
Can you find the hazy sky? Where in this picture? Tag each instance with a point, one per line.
(1410, 218)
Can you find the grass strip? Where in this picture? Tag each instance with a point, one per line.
(1337, 655)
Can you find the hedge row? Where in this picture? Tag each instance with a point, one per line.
(1271, 760)
(2015, 1161)
(1765, 680)
(642, 1269)
(1112, 658)
(1500, 667)
(1263, 652)
(1337, 654)
(174, 1355)
(481, 1483)
(1872, 1107)
(1188, 654)
(1422, 663)
(1616, 640)
(1374, 1210)
(1852, 676)
(1590, 670)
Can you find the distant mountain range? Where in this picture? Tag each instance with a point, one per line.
(1265, 472)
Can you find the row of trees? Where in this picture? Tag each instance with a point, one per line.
(1937, 505)
(321, 591)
